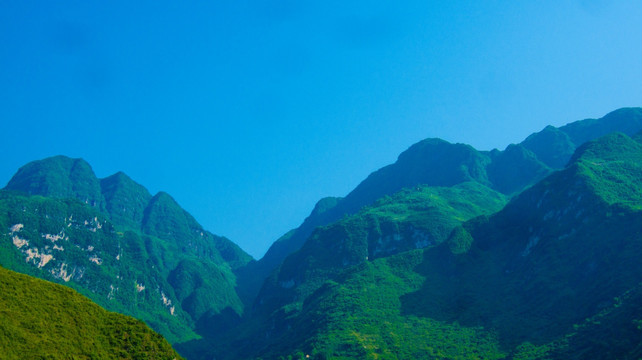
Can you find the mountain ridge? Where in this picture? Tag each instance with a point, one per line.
(517, 284)
(536, 157)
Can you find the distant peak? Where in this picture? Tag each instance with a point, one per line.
(119, 177)
(60, 160)
(163, 195)
(434, 147)
(163, 199)
(60, 177)
(324, 205)
(121, 174)
(627, 111)
(605, 147)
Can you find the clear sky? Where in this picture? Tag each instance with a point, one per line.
(248, 112)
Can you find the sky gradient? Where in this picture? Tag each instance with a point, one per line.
(248, 112)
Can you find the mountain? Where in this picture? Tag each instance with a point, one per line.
(449, 272)
(59, 177)
(125, 200)
(527, 253)
(435, 162)
(45, 320)
(114, 242)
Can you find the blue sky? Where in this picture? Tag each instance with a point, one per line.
(248, 112)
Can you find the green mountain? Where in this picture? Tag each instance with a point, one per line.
(59, 177)
(112, 241)
(126, 200)
(446, 272)
(42, 320)
(435, 162)
(449, 253)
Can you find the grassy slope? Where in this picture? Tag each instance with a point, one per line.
(44, 320)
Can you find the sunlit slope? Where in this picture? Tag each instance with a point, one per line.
(45, 320)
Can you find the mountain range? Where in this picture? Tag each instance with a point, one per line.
(531, 252)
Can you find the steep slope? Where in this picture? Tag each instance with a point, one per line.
(556, 255)
(554, 274)
(432, 162)
(435, 162)
(164, 218)
(44, 320)
(125, 200)
(410, 219)
(127, 256)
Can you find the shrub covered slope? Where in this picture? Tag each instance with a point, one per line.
(42, 320)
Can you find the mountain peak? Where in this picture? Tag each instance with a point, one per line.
(125, 199)
(165, 219)
(606, 147)
(60, 177)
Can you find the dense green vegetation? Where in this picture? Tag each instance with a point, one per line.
(327, 278)
(542, 278)
(126, 250)
(41, 320)
(435, 162)
(59, 177)
(450, 253)
(613, 333)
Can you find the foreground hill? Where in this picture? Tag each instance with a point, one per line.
(114, 242)
(44, 320)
